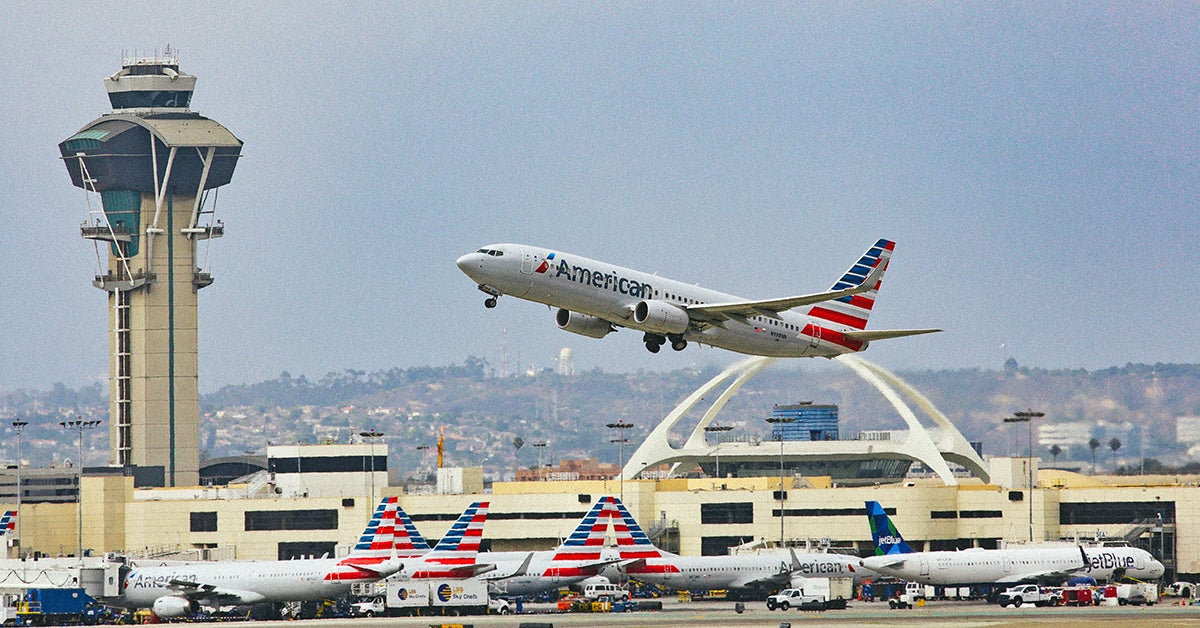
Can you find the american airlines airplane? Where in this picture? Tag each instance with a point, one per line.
(1046, 564)
(595, 298)
(455, 555)
(764, 571)
(180, 589)
(581, 556)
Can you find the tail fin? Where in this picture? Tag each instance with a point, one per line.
(377, 538)
(408, 541)
(454, 555)
(8, 522)
(887, 538)
(587, 541)
(851, 313)
(632, 543)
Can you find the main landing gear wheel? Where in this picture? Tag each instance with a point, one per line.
(653, 342)
(490, 303)
(678, 343)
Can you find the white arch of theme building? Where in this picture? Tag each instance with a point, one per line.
(919, 446)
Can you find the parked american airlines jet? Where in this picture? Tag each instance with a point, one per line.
(763, 572)
(180, 589)
(595, 298)
(1044, 564)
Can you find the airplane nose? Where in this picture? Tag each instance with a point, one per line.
(464, 262)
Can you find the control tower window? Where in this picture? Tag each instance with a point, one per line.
(150, 98)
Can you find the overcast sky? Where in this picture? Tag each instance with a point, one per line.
(1037, 164)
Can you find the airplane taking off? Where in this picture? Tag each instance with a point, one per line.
(594, 298)
(775, 570)
(176, 590)
(1046, 564)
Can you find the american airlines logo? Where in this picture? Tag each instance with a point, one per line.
(603, 281)
(820, 568)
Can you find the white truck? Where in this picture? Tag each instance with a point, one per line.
(1137, 593)
(1029, 594)
(914, 592)
(814, 594)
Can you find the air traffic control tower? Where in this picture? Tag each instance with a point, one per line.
(153, 164)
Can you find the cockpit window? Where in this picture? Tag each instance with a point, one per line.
(492, 252)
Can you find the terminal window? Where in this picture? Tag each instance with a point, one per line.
(204, 521)
(258, 520)
(739, 512)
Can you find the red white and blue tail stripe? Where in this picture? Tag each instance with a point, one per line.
(8, 522)
(369, 558)
(638, 554)
(587, 541)
(454, 555)
(408, 541)
(851, 313)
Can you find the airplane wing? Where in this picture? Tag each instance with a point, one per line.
(1050, 577)
(214, 595)
(770, 307)
(520, 571)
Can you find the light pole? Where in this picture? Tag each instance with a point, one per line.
(539, 445)
(719, 430)
(19, 426)
(621, 426)
(1027, 417)
(372, 435)
(779, 422)
(79, 425)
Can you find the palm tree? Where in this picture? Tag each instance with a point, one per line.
(1054, 451)
(1114, 445)
(1094, 443)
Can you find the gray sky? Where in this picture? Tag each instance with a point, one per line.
(1037, 164)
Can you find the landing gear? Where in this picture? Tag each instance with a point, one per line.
(653, 342)
(492, 293)
(677, 342)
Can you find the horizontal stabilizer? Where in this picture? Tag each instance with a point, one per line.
(884, 334)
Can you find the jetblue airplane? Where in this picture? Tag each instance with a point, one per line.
(180, 589)
(644, 561)
(1047, 564)
(595, 298)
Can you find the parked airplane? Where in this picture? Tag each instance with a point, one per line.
(180, 589)
(594, 298)
(455, 555)
(763, 571)
(1043, 564)
(582, 555)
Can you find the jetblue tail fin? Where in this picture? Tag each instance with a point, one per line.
(883, 532)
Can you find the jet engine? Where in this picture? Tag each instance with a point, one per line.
(582, 324)
(174, 606)
(660, 317)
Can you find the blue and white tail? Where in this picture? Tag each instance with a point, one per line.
(455, 554)
(373, 554)
(408, 541)
(887, 538)
(851, 313)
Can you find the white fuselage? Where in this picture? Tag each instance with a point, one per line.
(983, 566)
(543, 573)
(611, 293)
(251, 581)
(736, 572)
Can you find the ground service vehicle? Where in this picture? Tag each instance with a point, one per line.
(1137, 593)
(1182, 589)
(594, 592)
(1029, 594)
(913, 593)
(437, 596)
(814, 594)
